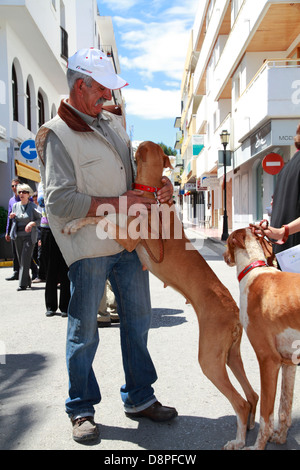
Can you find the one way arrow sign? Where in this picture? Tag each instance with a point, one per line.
(28, 150)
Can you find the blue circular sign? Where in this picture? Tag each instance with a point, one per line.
(28, 149)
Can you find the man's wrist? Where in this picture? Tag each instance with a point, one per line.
(99, 201)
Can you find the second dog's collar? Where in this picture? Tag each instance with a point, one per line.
(249, 268)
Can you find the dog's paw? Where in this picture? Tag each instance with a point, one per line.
(278, 436)
(234, 445)
(70, 227)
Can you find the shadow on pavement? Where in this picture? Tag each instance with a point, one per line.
(188, 433)
(17, 373)
(164, 317)
(209, 249)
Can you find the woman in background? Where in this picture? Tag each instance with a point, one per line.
(25, 218)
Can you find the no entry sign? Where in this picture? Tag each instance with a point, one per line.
(273, 163)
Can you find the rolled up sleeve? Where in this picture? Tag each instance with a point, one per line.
(61, 194)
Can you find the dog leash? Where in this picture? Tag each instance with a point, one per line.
(161, 251)
(267, 242)
(154, 190)
(161, 244)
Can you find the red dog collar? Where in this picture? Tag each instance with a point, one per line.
(142, 187)
(249, 268)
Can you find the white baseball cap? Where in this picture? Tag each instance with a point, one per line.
(96, 64)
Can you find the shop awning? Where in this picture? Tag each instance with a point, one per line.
(28, 172)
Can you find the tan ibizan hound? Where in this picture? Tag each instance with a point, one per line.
(270, 314)
(164, 252)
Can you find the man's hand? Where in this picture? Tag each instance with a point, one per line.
(165, 194)
(120, 204)
(134, 197)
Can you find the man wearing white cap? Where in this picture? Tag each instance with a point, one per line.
(85, 161)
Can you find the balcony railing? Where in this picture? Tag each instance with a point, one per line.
(276, 63)
(273, 92)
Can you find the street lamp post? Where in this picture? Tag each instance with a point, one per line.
(225, 136)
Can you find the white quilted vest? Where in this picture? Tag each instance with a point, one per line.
(99, 172)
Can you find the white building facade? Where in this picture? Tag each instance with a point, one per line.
(36, 38)
(242, 74)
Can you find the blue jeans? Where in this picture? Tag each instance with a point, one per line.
(131, 287)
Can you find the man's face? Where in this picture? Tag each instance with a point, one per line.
(91, 99)
(14, 185)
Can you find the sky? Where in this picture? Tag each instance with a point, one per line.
(152, 39)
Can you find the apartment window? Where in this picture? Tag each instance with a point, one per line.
(15, 94)
(64, 34)
(237, 87)
(41, 109)
(64, 44)
(28, 103)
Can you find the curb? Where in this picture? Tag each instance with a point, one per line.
(5, 264)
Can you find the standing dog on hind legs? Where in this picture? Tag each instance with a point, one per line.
(167, 257)
(270, 314)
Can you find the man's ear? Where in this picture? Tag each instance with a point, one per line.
(78, 85)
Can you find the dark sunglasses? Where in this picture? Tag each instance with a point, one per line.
(23, 192)
(14, 185)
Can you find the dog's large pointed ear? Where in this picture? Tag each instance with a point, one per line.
(229, 253)
(235, 240)
(238, 238)
(141, 152)
(167, 163)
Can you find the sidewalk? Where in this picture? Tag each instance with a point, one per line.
(214, 234)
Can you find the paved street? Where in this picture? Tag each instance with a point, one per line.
(33, 378)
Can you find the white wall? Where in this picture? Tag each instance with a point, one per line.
(30, 37)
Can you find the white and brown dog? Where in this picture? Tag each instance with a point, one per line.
(168, 258)
(270, 314)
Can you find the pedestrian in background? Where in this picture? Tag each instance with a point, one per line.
(108, 309)
(43, 245)
(34, 260)
(286, 199)
(15, 198)
(25, 218)
(57, 289)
